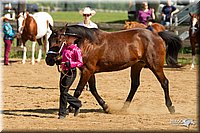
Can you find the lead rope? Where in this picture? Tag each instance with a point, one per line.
(65, 74)
(58, 67)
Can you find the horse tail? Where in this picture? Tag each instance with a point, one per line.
(173, 45)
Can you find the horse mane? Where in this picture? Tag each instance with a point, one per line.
(85, 33)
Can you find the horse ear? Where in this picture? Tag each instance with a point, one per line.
(51, 27)
(190, 14)
(27, 13)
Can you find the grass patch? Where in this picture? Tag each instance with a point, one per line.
(100, 17)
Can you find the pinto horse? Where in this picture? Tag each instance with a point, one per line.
(194, 34)
(34, 28)
(133, 24)
(113, 51)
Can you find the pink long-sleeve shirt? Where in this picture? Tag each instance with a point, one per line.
(72, 54)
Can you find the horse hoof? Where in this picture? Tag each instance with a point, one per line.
(192, 67)
(106, 109)
(70, 108)
(171, 109)
(23, 62)
(123, 109)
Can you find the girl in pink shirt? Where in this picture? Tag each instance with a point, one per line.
(71, 58)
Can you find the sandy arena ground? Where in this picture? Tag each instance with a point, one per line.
(31, 94)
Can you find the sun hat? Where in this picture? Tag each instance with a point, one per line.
(6, 16)
(87, 10)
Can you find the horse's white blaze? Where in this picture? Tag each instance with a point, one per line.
(194, 22)
(20, 21)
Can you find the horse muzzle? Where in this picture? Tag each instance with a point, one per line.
(50, 60)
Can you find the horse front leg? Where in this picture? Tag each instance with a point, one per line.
(33, 53)
(85, 75)
(193, 53)
(92, 85)
(24, 55)
(40, 50)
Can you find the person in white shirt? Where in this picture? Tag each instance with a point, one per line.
(87, 13)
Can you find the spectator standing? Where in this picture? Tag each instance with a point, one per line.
(167, 12)
(87, 13)
(145, 12)
(8, 38)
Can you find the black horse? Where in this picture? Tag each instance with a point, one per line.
(112, 51)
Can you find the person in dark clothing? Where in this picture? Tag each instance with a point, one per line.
(167, 12)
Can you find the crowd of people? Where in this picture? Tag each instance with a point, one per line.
(146, 15)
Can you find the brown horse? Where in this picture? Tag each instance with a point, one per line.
(133, 24)
(113, 51)
(194, 34)
(34, 28)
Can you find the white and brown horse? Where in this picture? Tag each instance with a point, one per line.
(194, 34)
(34, 28)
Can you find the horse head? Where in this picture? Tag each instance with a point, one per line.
(56, 41)
(194, 25)
(21, 18)
(85, 36)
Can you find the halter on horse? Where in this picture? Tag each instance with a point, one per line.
(113, 51)
(194, 34)
(34, 28)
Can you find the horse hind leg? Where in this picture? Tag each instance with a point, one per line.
(135, 82)
(158, 72)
